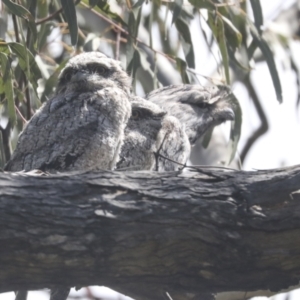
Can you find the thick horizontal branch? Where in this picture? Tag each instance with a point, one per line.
(145, 233)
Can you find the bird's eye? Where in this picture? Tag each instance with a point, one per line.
(100, 70)
(68, 76)
(135, 114)
(202, 105)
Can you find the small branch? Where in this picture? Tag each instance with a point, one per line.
(20, 115)
(264, 126)
(50, 17)
(6, 151)
(118, 42)
(204, 234)
(121, 29)
(15, 23)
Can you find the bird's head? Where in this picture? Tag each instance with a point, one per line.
(92, 71)
(212, 106)
(143, 111)
(141, 133)
(197, 107)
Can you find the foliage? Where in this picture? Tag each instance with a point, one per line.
(46, 33)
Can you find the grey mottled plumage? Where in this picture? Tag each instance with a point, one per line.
(151, 138)
(198, 108)
(82, 126)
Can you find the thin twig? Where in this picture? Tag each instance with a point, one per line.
(21, 116)
(52, 16)
(118, 41)
(25, 81)
(27, 96)
(121, 29)
(16, 29)
(264, 126)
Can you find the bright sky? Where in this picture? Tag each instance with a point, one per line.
(281, 145)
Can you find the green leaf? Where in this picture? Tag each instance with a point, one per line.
(8, 87)
(258, 21)
(138, 3)
(130, 41)
(2, 152)
(93, 3)
(23, 13)
(18, 10)
(31, 69)
(241, 64)
(177, 10)
(269, 57)
(52, 81)
(137, 15)
(43, 33)
(69, 10)
(92, 42)
(236, 125)
(4, 47)
(31, 24)
(207, 137)
(258, 15)
(203, 4)
(135, 63)
(181, 65)
(215, 22)
(105, 8)
(187, 44)
(45, 28)
(234, 37)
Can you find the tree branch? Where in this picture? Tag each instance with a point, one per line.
(147, 233)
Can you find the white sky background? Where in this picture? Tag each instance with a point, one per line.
(279, 146)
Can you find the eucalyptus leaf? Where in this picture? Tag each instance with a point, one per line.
(51, 82)
(203, 4)
(136, 62)
(69, 10)
(177, 10)
(207, 137)
(138, 3)
(215, 22)
(236, 125)
(105, 9)
(269, 57)
(181, 65)
(234, 37)
(93, 3)
(18, 10)
(23, 13)
(4, 47)
(258, 15)
(8, 87)
(130, 41)
(33, 73)
(187, 44)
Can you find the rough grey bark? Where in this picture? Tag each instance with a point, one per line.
(146, 233)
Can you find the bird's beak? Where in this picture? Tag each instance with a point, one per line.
(230, 115)
(78, 76)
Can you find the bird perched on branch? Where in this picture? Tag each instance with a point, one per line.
(94, 122)
(154, 140)
(198, 108)
(82, 126)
